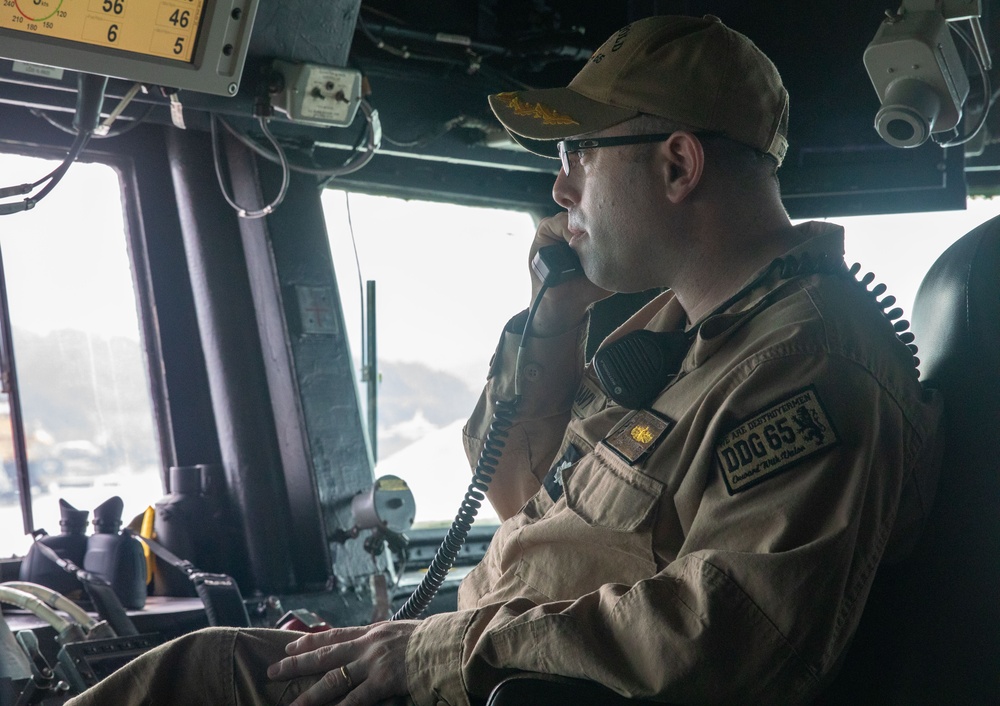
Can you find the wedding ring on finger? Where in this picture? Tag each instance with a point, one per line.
(347, 677)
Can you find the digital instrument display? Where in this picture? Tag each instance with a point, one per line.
(163, 28)
(195, 45)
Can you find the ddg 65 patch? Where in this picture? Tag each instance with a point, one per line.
(774, 439)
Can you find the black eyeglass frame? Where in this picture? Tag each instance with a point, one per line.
(565, 147)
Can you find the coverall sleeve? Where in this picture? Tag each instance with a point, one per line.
(551, 369)
(764, 593)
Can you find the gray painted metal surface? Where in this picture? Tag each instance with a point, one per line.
(310, 374)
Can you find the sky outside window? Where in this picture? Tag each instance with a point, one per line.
(82, 378)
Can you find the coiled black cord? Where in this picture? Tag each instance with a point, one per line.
(806, 264)
(895, 315)
(489, 458)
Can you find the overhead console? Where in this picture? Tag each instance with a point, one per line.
(426, 68)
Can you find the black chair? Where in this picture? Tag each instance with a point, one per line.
(930, 633)
(528, 689)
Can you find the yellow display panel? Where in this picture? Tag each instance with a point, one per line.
(162, 28)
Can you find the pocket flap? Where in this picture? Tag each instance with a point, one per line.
(604, 492)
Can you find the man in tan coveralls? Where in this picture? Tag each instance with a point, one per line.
(714, 545)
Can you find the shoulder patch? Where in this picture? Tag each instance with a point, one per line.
(638, 434)
(774, 439)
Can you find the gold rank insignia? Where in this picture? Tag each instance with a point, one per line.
(548, 116)
(638, 434)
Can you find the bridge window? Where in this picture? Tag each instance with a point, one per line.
(85, 402)
(448, 278)
(900, 248)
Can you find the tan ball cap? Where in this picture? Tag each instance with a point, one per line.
(692, 70)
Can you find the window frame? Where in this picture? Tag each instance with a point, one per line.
(141, 173)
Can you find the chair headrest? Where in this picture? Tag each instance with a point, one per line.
(956, 314)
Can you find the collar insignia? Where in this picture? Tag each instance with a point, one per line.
(635, 437)
(553, 482)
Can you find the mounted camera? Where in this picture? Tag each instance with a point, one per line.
(387, 508)
(917, 71)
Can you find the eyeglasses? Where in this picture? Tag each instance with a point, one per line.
(567, 147)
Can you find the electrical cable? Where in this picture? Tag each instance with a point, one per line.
(381, 13)
(987, 91)
(472, 64)
(62, 127)
(89, 99)
(476, 52)
(124, 130)
(50, 181)
(470, 44)
(55, 600)
(503, 418)
(328, 172)
(67, 630)
(403, 53)
(524, 339)
(357, 264)
(362, 134)
(283, 160)
(368, 132)
(400, 568)
(503, 78)
(105, 127)
(428, 136)
(444, 559)
(56, 175)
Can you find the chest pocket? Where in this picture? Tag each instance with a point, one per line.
(609, 494)
(600, 532)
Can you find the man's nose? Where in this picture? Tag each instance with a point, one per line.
(564, 192)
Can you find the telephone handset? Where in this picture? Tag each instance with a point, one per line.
(554, 265)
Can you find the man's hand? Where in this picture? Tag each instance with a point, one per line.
(562, 307)
(359, 666)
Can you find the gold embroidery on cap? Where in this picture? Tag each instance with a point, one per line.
(548, 116)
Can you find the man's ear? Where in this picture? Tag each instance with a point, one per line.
(683, 161)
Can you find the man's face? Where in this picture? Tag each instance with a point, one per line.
(617, 213)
